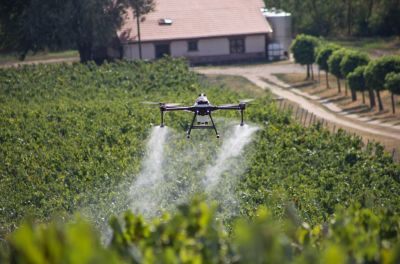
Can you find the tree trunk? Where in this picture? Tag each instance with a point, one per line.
(85, 52)
(308, 71)
(349, 17)
(353, 95)
(312, 72)
(338, 85)
(319, 75)
(371, 98)
(327, 80)
(378, 94)
(345, 88)
(393, 104)
(139, 37)
(363, 96)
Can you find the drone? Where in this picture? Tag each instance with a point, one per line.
(202, 109)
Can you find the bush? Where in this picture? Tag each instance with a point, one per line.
(352, 60)
(392, 83)
(334, 65)
(356, 79)
(303, 49)
(194, 235)
(323, 54)
(376, 72)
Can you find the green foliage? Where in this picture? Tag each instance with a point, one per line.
(194, 235)
(334, 62)
(345, 18)
(303, 48)
(323, 54)
(287, 169)
(57, 243)
(392, 82)
(356, 79)
(376, 71)
(352, 60)
(141, 7)
(71, 134)
(86, 26)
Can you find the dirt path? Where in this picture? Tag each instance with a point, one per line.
(258, 73)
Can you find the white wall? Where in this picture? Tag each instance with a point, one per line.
(206, 47)
(131, 51)
(255, 43)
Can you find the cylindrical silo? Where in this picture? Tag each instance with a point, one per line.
(281, 23)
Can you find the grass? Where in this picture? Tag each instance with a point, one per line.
(6, 58)
(375, 46)
(235, 83)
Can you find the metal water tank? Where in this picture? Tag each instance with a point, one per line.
(281, 23)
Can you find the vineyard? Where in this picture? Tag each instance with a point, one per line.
(73, 139)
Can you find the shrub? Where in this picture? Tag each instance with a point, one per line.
(392, 83)
(323, 55)
(303, 48)
(334, 65)
(376, 72)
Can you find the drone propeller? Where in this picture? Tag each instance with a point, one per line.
(159, 104)
(245, 101)
(172, 104)
(151, 103)
(228, 105)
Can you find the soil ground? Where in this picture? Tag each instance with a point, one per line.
(263, 76)
(343, 99)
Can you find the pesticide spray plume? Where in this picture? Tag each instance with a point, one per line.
(146, 192)
(174, 169)
(230, 149)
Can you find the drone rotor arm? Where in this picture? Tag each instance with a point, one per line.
(174, 108)
(231, 107)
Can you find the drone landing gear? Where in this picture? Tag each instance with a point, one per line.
(162, 119)
(241, 116)
(192, 126)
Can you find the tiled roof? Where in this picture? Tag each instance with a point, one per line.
(197, 19)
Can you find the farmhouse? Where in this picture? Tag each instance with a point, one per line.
(201, 30)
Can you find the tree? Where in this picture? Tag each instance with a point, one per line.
(376, 72)
(356, 81)
(323, 55)
(350, 61)
(94, 25)
(10, 19)
(303, 48)
(392, 83)
(141, 8)
(85, 25)
(334, 65)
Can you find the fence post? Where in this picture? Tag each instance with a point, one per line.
(305, 119)
(311, 117)
(394, 156)
(297, 111)
(301, 115)
(315, 119)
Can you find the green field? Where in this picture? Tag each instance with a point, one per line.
(72, 135)
(375, 47)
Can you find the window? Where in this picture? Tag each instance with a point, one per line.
(192, 45)
(236, 45)
(165, 21)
